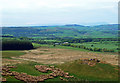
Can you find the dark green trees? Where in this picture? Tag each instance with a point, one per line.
(16, 45)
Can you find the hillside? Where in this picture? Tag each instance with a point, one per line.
(71, 30)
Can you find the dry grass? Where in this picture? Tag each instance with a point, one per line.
(57, 56)
(10, 61)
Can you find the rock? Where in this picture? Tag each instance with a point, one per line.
(30, 79)
(67, 73)
(3, 79)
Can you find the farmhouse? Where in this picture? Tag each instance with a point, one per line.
(66, 43)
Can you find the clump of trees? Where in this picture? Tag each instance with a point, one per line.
(16, 45)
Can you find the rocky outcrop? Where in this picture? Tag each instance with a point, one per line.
(90, 62)
(55, 71)
(29, 78)
(2, 79)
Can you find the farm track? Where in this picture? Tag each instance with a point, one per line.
(59, 56)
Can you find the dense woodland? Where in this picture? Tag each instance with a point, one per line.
(16, 45)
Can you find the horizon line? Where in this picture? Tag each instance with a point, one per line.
(57, 25)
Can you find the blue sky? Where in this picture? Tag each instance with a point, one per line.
(58, 12)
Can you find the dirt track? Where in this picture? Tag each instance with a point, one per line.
(57, 56)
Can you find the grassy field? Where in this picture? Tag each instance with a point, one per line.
(57, 46)
(36, 45)
(111, 45)
(9, 54)
(99, 72)
(53, 40)
(25, 67)
(12, 79)
(80, 49)
(32, 71)
(28, 66)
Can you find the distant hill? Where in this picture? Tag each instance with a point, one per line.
(74, 25)
(69, 30)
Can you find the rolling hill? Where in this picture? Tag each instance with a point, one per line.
(70, 30)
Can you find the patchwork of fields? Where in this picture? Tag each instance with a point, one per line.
(53, 53)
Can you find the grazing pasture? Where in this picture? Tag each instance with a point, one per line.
(110, 45)
(65, 58)
(99, 72)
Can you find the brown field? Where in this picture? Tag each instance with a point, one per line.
(58, 56)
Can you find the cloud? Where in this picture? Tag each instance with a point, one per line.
(24, 4)
(57, 11)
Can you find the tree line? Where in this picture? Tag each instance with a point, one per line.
(80, 40)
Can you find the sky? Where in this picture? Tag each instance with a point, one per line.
(58, 12)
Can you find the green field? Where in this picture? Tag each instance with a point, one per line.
(8, 54)
(28, 66)
(99, 72)
(57, 46)
(111, 45)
